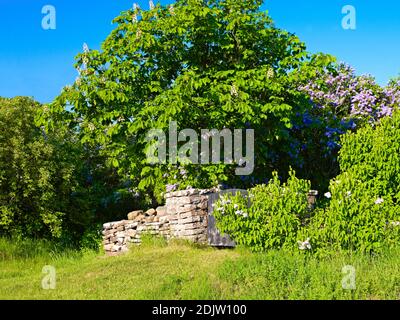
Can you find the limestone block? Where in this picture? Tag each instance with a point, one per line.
(151, 212)
(132, 215)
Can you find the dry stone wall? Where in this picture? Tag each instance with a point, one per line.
(184, 216)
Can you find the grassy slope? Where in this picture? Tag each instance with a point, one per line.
(181, 271)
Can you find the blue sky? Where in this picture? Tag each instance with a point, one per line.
(38, 63)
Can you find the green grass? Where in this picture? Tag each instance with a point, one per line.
(183, 271)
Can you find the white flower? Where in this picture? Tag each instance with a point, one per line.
(91, 126)
(304, 245)
(270, 73)
(241, 213)
(348, 193)
(328, 195)
(395, 223)
(234, 92)
(235, 206)
(379, 201)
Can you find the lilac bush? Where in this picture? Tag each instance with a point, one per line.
(341, 101)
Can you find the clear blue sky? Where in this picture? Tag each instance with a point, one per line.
(38, 63)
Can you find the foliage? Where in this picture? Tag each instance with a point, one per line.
(92, 238)
(36, 172)
(341, 102)
(363, 208)
(204, 64)
(269, 217)
(51, 186)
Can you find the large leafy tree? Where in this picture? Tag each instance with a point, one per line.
(202, 63)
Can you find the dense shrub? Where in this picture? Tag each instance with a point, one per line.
(269, 217)
(36, 172)
(51, 186)
(363, 209)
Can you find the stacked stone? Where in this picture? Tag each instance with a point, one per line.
(117, 235)
(187, 213)
(185, 216)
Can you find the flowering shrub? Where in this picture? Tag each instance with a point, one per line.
(341, 102)
(362, 210)
(269, 217)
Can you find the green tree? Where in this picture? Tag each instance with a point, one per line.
(204, 64)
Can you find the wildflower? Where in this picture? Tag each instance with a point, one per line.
(235, 206)
(245, 215)
(304, 245)
(395, 223)
(348, 193)
(328, 195)
(379, 201)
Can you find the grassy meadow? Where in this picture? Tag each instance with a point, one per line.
(179, 270)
